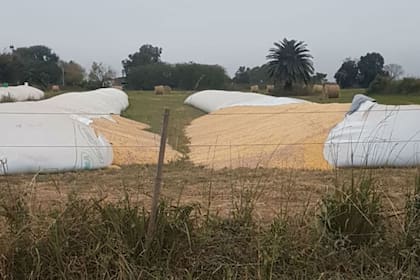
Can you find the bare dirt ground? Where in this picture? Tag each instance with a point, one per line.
(272, 191)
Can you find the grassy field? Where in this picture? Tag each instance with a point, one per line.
(148, 108)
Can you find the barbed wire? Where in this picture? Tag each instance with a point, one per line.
(220, 145)
(314, 112)
(60, 113)
(216, 113)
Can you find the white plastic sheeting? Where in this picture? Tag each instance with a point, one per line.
(21, 93)
(213, 100)
(50, 144)
(376, 136)
(91, 103)
(53, 135)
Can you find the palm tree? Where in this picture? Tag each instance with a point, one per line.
(290, 62)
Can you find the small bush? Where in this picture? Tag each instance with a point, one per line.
(408, 85)
(351, 216)
(384, 85)
(297, 90)
(380, 84)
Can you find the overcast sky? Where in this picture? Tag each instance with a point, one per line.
(226, 32)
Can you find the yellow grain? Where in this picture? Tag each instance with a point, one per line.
(286, 136)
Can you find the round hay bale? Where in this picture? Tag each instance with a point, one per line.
(318, 89)
(167, 90)
(159, 90)
(270, 88)
(255, 88)
(331, 90)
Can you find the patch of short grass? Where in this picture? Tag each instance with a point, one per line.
(146, 107)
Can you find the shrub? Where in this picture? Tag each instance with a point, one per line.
(408, 85)
(384, 85)
(380, 84)
(187, 76)
(351, 216)
(297, 90)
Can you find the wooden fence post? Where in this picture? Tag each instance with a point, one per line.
(158, 181)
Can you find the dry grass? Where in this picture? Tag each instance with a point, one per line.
(288, 191)
(225, 224)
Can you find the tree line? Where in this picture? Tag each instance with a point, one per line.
(40, 66)
(371, 72)
(144, 69)
(289, 67)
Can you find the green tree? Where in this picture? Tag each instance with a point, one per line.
(347, 75)
(74, 73)
(188, 76)
(242, 75)
(259, 75)
(290, 63)
(146, 55)
(194, 76)
(99, 75)
(147, 76)
(37, 65)
(319, 78)
(394, 71)
(370, 65)
(7, 73)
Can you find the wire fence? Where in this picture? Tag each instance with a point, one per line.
(225, 143)
(222, 191)
(387, 109)
(263, 153)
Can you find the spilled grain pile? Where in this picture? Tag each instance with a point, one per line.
(131, 144)
(286, 136)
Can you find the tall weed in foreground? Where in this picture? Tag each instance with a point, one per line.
(410, 241)
(90, 239)
(15, 226)
(351, 215)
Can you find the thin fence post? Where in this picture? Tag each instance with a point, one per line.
(158, 181)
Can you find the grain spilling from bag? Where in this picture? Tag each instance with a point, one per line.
(131, 144)
(286, 136)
